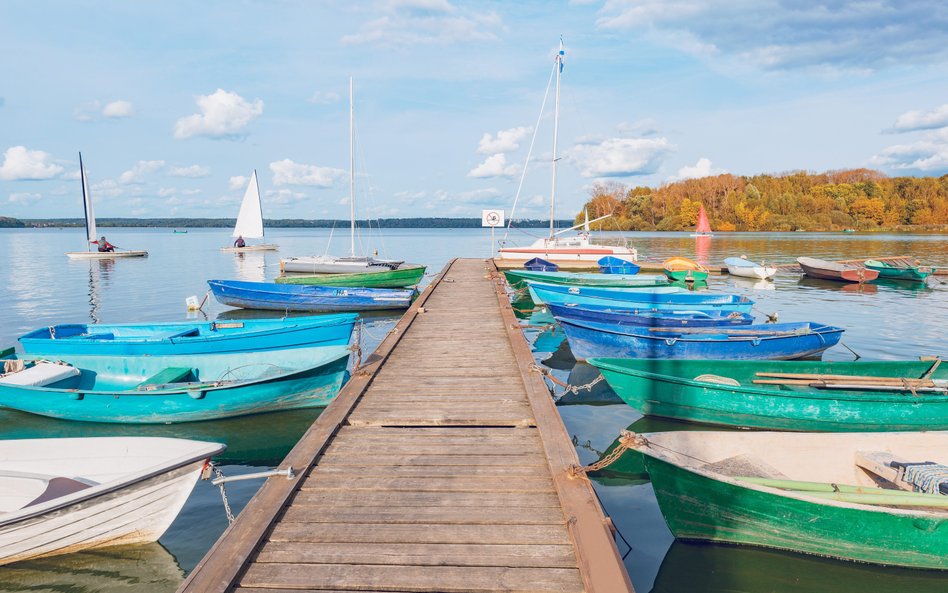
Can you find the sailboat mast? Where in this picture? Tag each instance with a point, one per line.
(556, 126)
(85, 205)
(352, 216)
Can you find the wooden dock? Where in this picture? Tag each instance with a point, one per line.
(441, 466)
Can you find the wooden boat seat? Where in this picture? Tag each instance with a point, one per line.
(885, 467)
(165, 376)
(40, 374)
(191, 331)
(745, 465)
(56, 486)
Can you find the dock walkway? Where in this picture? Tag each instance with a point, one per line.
(441, 466)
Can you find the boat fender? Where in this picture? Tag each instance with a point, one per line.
(196, 394)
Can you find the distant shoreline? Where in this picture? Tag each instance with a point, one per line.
(285, 223)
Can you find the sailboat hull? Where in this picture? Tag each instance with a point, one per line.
(105, 254)
(264, 247)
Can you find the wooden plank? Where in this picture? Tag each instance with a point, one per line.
(429, 515)
(453, 460)
(431, 471)
(428, 484)
(420, 533)
(453, 432)
(403, 554)
(446, 579)
(369, 498)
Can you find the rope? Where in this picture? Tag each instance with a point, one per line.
(567, 388)
(771, 317)
(843, 344)
(627, 440)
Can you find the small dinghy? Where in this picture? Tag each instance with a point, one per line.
(658, 298)
(209, 337)
(616, 265)
(890, 272)
(869, 497)
(623, 317)
(313, 299)
(772, 341)
(399, 277)
(829, 270)
(743, 267)
(518, 279)
(682, 268)
(65, 495)
(169, 389)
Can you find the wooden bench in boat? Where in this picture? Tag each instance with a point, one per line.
(40, 374)
(165, 376)
(891, 469)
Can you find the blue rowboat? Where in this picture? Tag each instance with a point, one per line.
(773, 341)
(663, 298)
(167, 389)
(208, 337)
(616, 265)
(300, 297)
(623, 317)
(538, 264)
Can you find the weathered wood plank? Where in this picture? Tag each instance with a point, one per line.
(420, 533)
(454, 432)
(420, 448)
(535, 460)
(431, 471)
(428, 484)
(429, 515)
(446, 579)
(370, 498)
(536, 556)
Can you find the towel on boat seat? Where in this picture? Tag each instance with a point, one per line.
(928, 477)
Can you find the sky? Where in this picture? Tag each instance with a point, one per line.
(174, 104)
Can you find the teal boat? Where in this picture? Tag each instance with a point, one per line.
(806, 395)
(889, 272)
(403, 276)
(167, 389)
(836, 495)
(518, 279)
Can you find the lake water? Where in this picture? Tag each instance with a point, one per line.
(39, 286)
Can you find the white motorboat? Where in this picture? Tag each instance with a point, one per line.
(91, 238)
(743, 267)
(65, 495)
(250, 220)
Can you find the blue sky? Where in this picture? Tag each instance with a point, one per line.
(173, 104)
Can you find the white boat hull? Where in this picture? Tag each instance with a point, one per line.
(263, 247)
(105, 254)
(137, 505)
(576, 248)
(333, 265)
(757, 272)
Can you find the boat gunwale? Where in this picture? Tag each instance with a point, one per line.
(647, 333)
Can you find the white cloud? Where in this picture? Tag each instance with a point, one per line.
(642, 127)
(700, 169)
(287, 172)
(137, 173)
(324, 97)
(418, 22)
(927, 155)
(284, 197)
(24, 198)
(918, 120)
(87, 111)
(164, 192)
(494, 166)
(223, 115)
(238, 182)
(108, 188)
(620, 157)
(19, 162)
(117, 109)
(505, 141)
(191, 171)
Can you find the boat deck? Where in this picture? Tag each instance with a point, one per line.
(441, 466)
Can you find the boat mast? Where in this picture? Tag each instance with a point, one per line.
(85, 205)
(556, 125)
(352, 216)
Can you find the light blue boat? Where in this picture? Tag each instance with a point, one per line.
(207, 337)
(659, 298)
(303, 297)
(773, 341)
(169, 389)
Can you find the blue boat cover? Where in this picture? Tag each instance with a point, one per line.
(611, 264)
(540, 265)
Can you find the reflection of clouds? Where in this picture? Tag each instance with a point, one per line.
(250, 266)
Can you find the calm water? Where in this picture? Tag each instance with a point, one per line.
(40, 286)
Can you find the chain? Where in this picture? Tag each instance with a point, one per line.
(627, 440)
(230, 515)
(567, 388)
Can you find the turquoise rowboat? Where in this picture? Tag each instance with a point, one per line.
(810, 493)
(518, 279)
(664, 298)
(890, 272)
(784, 395)
(167, 389)
(401, 277)
(208, 337)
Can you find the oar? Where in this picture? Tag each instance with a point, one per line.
(824, 377)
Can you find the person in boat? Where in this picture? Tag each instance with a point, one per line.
(105, 246)
(240, 241)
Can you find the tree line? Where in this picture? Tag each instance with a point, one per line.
(860, 199)
(385, 223)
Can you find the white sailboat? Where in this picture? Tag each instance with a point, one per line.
(352, 263)
(250, 220)
(564, 248)
(91, 238)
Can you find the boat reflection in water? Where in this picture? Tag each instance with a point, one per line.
(715, 568)
(842, 287)
(148, 567)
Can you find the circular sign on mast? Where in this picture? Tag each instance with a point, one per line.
(492, 218)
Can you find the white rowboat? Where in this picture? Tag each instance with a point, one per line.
(743, 267)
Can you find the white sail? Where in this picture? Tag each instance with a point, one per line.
(250, 218)
(87, 204)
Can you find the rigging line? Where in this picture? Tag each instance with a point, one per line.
(533, 140)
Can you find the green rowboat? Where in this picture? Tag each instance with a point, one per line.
(682, 268)
(402, 276)
(518, 279)
(724, 392)
(763, 489)
(890, 272)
